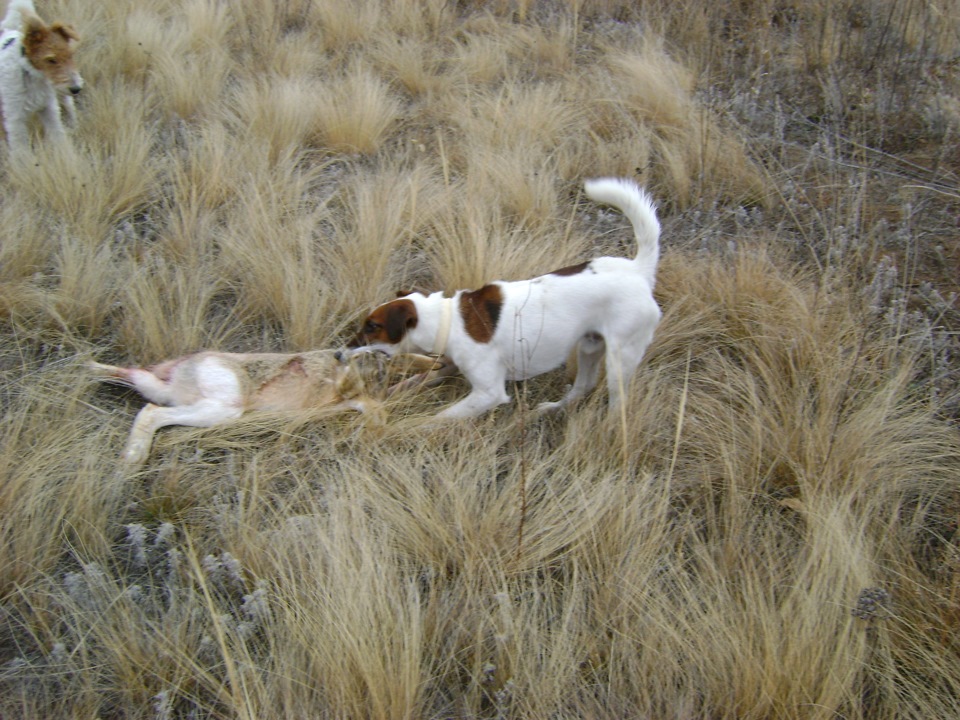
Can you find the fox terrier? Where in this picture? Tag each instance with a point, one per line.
(37, 73)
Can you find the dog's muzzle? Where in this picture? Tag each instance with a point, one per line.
(357, 341)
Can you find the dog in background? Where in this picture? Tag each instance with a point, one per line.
(213, 388)
(516, 330)
(37, 74)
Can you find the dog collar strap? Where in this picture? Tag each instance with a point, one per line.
(443, 332)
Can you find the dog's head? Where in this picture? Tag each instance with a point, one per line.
(50, 48)
(386, 327)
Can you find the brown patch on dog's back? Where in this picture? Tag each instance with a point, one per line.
(480, 310)
(571, 269)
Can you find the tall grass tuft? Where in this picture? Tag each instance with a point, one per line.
(355, 112)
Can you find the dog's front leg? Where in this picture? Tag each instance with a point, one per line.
(141, 436)
(15, 125)
(480, 399)
(476, 403)
(52, 124)
(69, 110)
(151, 418)
(487, 377)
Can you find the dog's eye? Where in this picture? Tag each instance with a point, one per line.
(52, 61)
(370, 326)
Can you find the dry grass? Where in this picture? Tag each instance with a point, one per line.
(769, 531)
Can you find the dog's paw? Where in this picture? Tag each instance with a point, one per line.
(135, 453)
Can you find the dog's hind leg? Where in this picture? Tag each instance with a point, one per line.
(144, 381)
(589, 353)
(117, 375)
(622, 363)
(151, 418)
(106, 372)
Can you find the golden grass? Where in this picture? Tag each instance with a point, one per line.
(769, 530)
(356, 111)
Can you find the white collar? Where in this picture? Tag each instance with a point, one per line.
(443, 332)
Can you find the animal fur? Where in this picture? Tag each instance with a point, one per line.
(603, 308)
(213, 388)
(37, 74)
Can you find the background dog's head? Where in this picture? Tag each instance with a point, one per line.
(50, 49)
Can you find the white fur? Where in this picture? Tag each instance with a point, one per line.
(605, 311)
(215, 397)
(211, 388)
(25, 91)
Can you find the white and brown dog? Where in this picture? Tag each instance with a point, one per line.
(517, 330)
(213, 388)
(37, 73)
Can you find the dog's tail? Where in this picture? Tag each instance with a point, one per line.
(16, 11)
(639, 208)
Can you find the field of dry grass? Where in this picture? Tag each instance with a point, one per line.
(769, 531)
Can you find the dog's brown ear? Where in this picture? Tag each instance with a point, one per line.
(401, 317)
(65, 31)
(35, 31)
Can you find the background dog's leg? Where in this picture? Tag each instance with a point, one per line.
(52, 124)
(15, 125)
(69, 109)
(151, 418)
